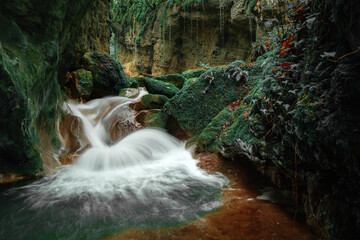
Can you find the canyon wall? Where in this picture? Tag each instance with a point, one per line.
(212, 33)
(39, 42)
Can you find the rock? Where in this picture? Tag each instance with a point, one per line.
(153, 101)
(158, 87)
(193, 73)
(191, 37)
(84, 82)
(108, 74)
(129, 92)
(190, 81)
(176, 79)
(199, 102)
(145, 117)
(38, 46)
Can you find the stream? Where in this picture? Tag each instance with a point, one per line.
(139, 185)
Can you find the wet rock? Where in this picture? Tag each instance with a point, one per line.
(129, 92)
(153, 101)
(158, 87)
(145, 117)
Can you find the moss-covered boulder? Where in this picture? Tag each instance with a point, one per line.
(83, 82)
(190, 81)
(133, 82)
(176, 79)
(193, 73)
(158, 87)
(108, 74)
(199, 102)
(153, 101)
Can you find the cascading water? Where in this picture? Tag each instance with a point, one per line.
(147, 179)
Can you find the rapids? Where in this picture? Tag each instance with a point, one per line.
(146, 179)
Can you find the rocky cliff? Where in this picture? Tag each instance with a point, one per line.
(178, 38)
(39, 42)
(291, 111)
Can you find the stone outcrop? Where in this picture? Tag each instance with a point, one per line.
(214, 33)
(39, 42)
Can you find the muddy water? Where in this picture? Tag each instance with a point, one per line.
(241, 216)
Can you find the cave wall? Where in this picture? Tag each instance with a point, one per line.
(39, 42)
(213, 33)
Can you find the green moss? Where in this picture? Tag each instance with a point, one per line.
(158, 87)
(198, 103)
(176, 79)
(208, 139)
(193, 73)
(84, 82)
(107, 73)
(190, 81)
(153, 101)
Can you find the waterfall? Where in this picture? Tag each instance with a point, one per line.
(146, 179)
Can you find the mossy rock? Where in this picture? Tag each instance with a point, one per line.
(154, 86)
(176, 79)
(129, 92)
(208, 139)
(19, 151)
(193, 73)
(153, 101)
(197, 104)
(190, 81)
(108, 74)
(133, 82)
(83, 82)
(159, 120)
(147, 116)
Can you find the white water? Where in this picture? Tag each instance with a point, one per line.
(145, 178)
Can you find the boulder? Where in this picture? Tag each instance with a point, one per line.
(129, 92)
(176, 79)
(158, 87)
(83, 82)
(193, 73)
(201, 100)
(153, 101)
(108, 74)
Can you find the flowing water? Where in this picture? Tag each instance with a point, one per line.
(146, 179)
